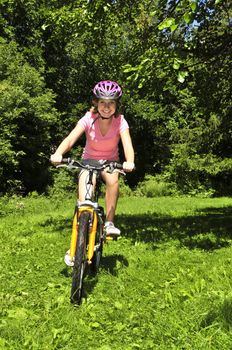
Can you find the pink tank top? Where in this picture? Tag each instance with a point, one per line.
(98, 146)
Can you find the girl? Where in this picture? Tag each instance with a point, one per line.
(103, 126)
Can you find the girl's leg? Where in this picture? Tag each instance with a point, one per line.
(111, 196)
(83, 178)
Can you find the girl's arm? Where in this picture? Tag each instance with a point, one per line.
(67, 144)
(128, 150)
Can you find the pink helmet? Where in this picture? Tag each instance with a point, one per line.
(107, 89)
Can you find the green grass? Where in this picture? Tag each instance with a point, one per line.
(166, 284)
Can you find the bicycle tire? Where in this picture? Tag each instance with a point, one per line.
(94, 267)
(80, 263)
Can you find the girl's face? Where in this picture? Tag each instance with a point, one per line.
(106, 107)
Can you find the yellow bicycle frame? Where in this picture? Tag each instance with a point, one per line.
(92, 233)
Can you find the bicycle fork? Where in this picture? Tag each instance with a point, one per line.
(92, 232)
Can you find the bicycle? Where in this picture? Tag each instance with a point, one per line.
(88, 234)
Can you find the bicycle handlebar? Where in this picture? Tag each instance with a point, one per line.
(72, 163)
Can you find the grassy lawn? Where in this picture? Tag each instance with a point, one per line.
(166, 284)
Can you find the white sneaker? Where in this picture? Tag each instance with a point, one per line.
(111, 230)
(69, 261)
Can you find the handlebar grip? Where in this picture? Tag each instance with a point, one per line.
(118, 166)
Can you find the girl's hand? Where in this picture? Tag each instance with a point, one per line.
(56, 159)
(128, 166)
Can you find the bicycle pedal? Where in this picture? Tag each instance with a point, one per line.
(111, 238)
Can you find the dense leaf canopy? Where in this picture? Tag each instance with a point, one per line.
(172, 58)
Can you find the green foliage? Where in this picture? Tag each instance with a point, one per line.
(27, 116)
(199, 173)
(64, 184)
(124, 189)
(191, 117)
(173, 60)
(155, 186)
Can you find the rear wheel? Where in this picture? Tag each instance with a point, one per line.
(96, 259)
(80, 258)
(98, 247)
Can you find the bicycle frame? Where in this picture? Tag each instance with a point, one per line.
(90, 207)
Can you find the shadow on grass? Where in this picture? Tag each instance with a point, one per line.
(112, 264)
(211, 229)
(221, 314)
(57, 223)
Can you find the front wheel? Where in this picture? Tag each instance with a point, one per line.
(80, 258)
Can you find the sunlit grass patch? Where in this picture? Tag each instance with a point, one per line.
(166, 284)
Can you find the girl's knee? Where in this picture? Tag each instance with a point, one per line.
(112, 183)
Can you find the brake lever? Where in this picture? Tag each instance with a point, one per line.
(112, 170)
(120, 171)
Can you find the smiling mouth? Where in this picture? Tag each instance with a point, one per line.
(105, 115)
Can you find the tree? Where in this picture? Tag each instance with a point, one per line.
(186, 70)
(27, 117)
(172, 59)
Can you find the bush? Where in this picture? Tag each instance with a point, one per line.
(155, 186)
(64, 183)
(27, 119)
(124, 189)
